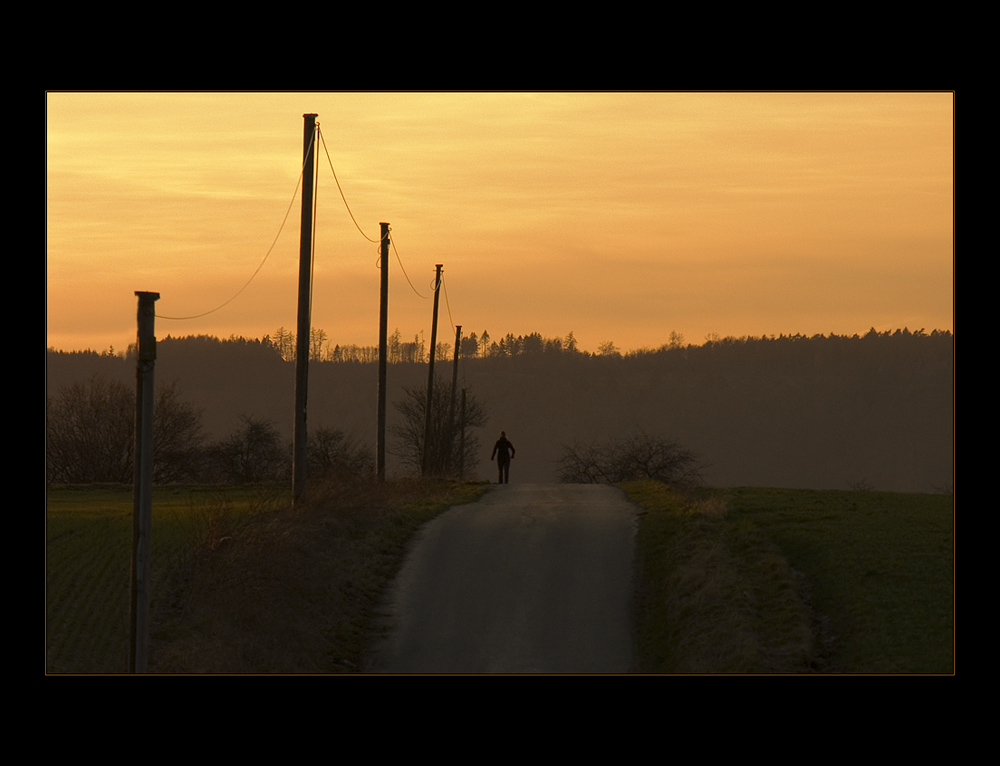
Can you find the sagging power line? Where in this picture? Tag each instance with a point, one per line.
(308, 182)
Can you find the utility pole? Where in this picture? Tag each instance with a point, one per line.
(461, 440)
(430, 372)
(454, 369)
(454, 387)
(142, 511)
(383, 351)
(299, 454)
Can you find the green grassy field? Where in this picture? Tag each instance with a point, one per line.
(87, 581)
(88, 557)
(880, 566)
(870, 575)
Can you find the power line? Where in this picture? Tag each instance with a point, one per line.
(291, 202)
(323, 141)
(351, 214)
(257, 271)
(447, 303)
(392, 241)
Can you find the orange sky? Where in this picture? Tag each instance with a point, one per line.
(619, 216)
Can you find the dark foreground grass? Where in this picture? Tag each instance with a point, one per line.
(714, 594)
(730, 581)
(88, 534)
(88, 558)
(242, 583)
(296, 590)
(790, 581)
(880, 566)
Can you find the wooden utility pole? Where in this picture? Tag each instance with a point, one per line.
(454, 388)
(142, 511)
(430, 373)
(454, 368)
(383, 352)
(300, 439)
(461, 440)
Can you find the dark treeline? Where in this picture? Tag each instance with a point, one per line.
(281, 344)
(873, 410)
(398, 350)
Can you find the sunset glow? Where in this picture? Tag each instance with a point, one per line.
(619, 216)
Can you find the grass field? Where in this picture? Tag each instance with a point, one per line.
(241, 583)
(795, 581)
(880, 566)
(729, 581)
(88, 557)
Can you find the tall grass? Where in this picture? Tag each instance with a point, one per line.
(793, 581)
(714, 595)
(88, 559)
(241, 582)
(296, 590)
(729, 581)
(880, 566)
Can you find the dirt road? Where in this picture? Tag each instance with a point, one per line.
(534, 578)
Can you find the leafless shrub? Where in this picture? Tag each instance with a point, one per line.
(632, 458)
(90, 434)
(333, 454)
(448, 454)
(252, 452)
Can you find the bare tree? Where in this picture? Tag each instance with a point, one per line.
(445, 454)
(284, 341)
(90, 434)
(252, 453)
(584, 464)
(318, 341)
(608, 348)
(634, 457)
(676, 340)
(333, 455)
(177, 437)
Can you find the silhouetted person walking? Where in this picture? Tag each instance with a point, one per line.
(503, 451)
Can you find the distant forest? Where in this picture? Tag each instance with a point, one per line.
(872, 411)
